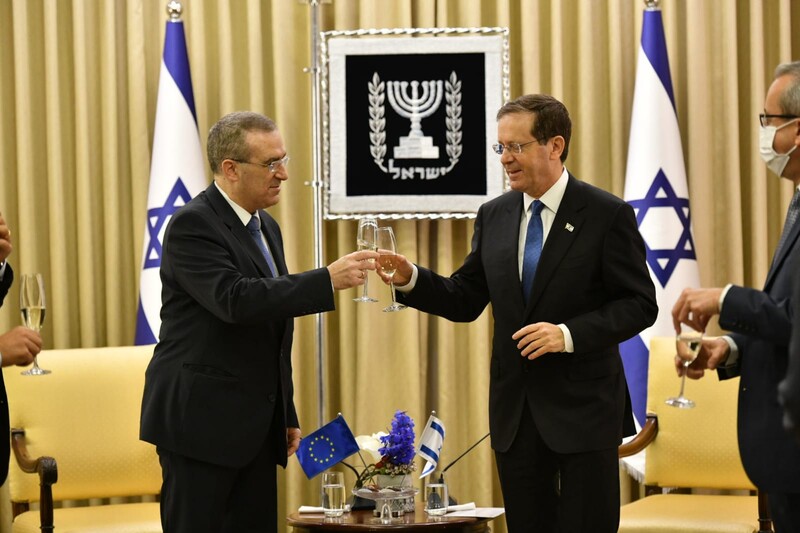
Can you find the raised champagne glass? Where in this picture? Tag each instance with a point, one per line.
(387, 249)
(688, 344)
(32, 306)
(366, 241)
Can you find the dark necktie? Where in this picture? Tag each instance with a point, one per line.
(533, 248)
(791, 218)
(254, 227)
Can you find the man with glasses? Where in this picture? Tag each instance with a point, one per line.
(563, 265)
(761, 322)
(218, 398)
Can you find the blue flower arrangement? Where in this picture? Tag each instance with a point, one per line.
(397, 451)
(398, 446)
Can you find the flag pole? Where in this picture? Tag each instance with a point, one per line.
(317, 187)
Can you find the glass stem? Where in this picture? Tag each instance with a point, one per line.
(683, 379)
(391, 286)
(366, 285)
(35, 362)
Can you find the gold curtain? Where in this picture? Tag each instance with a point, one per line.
(78, 85)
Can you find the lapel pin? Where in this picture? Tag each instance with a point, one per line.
(569, 227)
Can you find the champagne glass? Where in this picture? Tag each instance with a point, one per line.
(366, 241)
(387, 248)
(32, 306)
(688, 344)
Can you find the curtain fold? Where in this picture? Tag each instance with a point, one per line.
(78, 86)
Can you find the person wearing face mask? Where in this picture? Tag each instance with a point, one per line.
(761, 322)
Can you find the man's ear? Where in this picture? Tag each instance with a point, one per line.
(558, 147)
(229, 169)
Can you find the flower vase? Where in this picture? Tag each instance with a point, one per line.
(406, 505)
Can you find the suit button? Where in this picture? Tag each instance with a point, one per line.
(271, 398)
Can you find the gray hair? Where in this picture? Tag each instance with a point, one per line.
(226, 138)
(790, 99)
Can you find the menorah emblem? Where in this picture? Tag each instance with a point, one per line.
(415, 107)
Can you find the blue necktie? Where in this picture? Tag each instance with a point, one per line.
(533, 249)
(254, 227)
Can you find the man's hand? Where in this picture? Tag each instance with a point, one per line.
(351, 270)
(19, 346)
(401, 276)
(292, 440)
(695, 307)
(713, 352)
(539, 339)
(5, 240)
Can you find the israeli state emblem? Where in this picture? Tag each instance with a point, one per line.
(415, 100)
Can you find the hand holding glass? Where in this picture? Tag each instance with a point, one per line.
(436, 499)
(332, 494)
(366, 241)
(32, 306)
(387, 248)
(688, 344)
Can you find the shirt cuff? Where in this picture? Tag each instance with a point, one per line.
(722, 296)
(408, 287)
(569, 346)
(733, 356)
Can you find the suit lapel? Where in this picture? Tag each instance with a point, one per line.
(508, 243)
(565, 229)
(234, 224)
(778, 260)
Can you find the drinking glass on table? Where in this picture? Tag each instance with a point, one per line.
(688, 343)
(32, 306)
(333, 494)
(387, 248)
(366, 241)
(436, 499)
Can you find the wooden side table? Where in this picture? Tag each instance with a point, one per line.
(361, 521)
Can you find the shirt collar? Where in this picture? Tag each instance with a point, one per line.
(240, 211)
(552, 197)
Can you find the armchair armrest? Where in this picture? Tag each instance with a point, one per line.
(642, 439)
(48, 474)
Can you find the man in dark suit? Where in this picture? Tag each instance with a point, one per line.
(567, 281)
(218, 397)
(789, 388)
(761, 321)
(17, 347)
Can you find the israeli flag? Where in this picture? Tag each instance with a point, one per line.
(430, 444)
(177, 172)
(655, 185)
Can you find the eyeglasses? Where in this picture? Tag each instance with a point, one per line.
(273, 166)
(763, 118)
(514, 148)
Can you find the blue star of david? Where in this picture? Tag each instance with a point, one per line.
(158, 216)
(661, 194)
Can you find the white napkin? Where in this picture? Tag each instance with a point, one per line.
(312, 509)
(461, 507)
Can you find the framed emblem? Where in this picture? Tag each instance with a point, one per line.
(408, 121)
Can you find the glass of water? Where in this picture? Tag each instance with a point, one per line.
(333, 494)
(436, 499)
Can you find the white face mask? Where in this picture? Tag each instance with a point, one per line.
(766, 137)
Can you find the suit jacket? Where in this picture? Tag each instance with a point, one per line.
(762, 324)
(789, 388)
(5, 444)
(221, 373)
(593, 278)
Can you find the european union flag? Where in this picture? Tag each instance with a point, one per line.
(326, 447)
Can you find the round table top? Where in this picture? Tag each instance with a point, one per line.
(364, 520)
